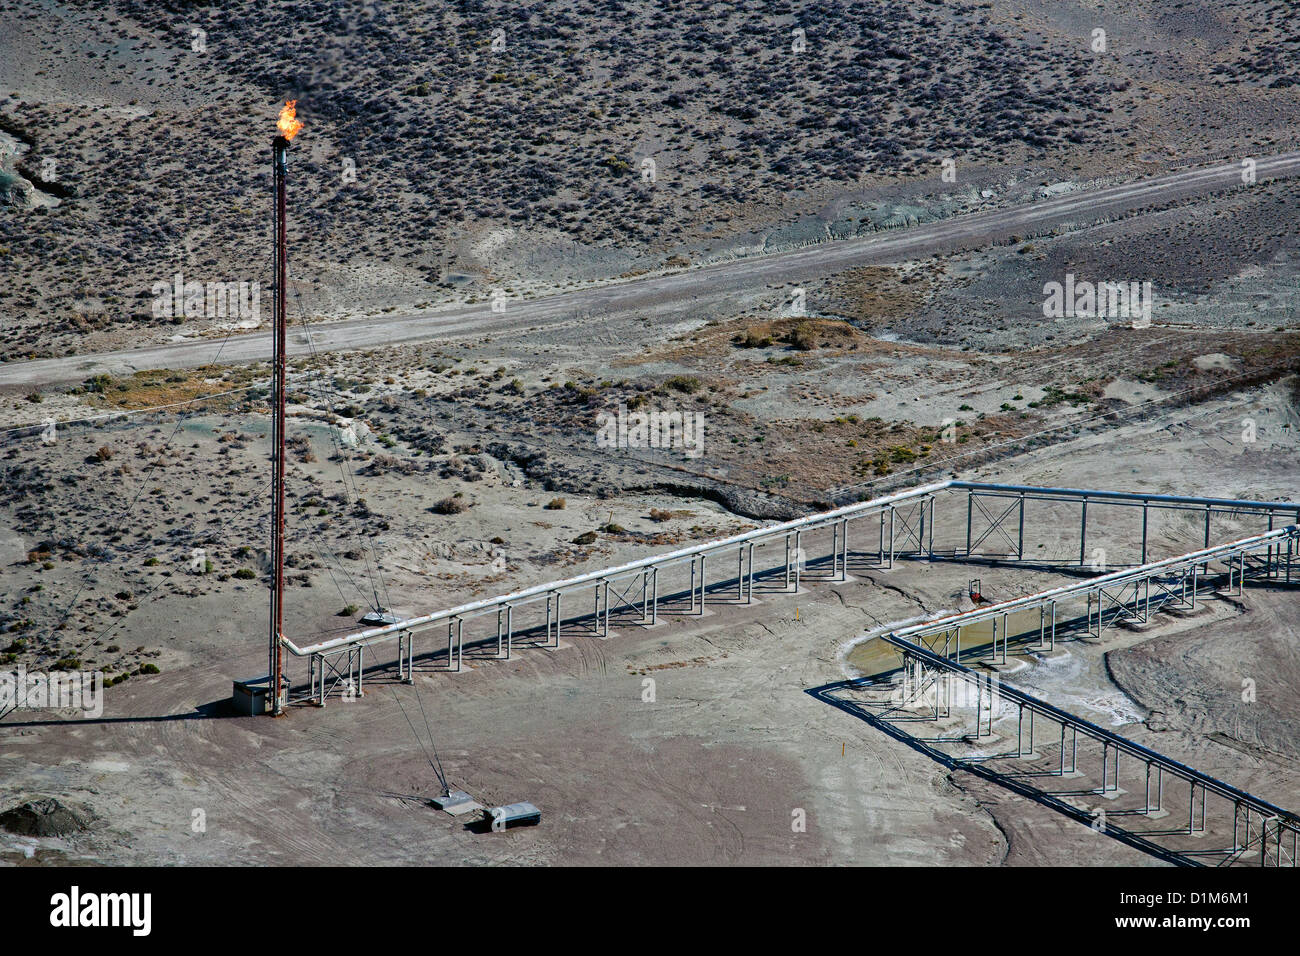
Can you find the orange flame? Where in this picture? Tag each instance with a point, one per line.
(288, 123)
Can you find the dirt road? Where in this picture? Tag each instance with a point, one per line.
(700, 286)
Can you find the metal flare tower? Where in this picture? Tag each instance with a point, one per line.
(280, 163)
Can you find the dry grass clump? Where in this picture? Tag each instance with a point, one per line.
(452, 505)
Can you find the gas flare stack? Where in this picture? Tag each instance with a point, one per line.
(288, 125)
(261, 695)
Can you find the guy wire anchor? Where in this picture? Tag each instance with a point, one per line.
(455, 802)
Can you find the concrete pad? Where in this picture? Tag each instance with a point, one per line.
(450, 799)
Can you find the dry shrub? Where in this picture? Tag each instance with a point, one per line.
(450, 506)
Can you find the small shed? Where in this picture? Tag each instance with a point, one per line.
(252, 697)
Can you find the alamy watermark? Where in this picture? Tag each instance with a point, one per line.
(914, 687)
(73, 909)
(207, 300)
(651, 429)
(1103, 300)
(57, 690)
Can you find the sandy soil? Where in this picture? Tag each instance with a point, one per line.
(712, 771)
